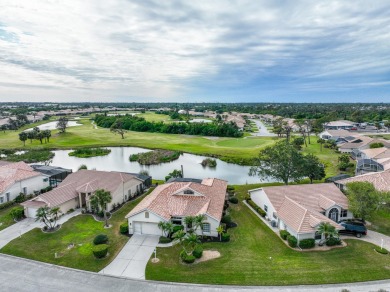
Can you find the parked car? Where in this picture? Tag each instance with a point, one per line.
(354, 227)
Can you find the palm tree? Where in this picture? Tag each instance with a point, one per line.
(161, 225)
(321, 141)
(180, 235)
(191, 240)
(48, 216)
(189, 222)
(168, 228)
(198, 222)
(220, 230)
(327, 229)
(101, 198)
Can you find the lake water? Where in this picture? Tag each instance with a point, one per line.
(53, 125)
(118, 160)
(200, 121)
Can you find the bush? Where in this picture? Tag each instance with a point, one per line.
(177, 228)
(100, 239)
(225, 237)
(20, 198)
(198, 251)
(164, 239)
(331, 241)
(187, 258)
(284, 234)
(17, 213)
(226, 219)
(307, 243)
(382, 251)
(292, 241)
(70, 211)
(124, 228)
(261, 212)
(6, 205)
(233, 200)
(100, 251)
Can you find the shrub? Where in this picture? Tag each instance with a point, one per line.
(230, 188)
(100, 239)
(20, 198)
(226, 219)
(164, 239)
(331, 241)
(261, 212)
(284, 234)
(187, 258)
(198, 251)
(124, 228)
(70, 210)
(233, 200)
(6, 205)
(382, 251)
(100, 251)
(17, 213)
(292, 241)
(177, 228)
(225, 237)
(307, 243)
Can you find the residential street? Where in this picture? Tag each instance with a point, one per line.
(263, 131)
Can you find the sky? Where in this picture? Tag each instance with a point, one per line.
(194, 51)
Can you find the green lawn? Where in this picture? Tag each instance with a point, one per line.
(256, 256)
(153, 117)
(5, 218)
(79, 230)
(381, 221)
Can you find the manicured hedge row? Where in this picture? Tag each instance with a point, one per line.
(100, 251)
(187, 258)
(292, 241)
(331, 241)
(284, 234)
(124, 228)
(261, 212)
(164, 239)
(307, 243)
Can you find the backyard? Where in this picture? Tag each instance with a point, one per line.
(80, 231)
(256, 256)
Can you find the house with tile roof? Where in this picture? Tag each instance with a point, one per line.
(77, 188)
(300, 209)
(19, 177)
(380, 180)
(173, 201)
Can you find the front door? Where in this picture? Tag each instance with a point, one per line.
(334, 214)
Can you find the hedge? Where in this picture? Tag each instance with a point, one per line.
(187, 258)
(164, 239)
(382, 251)
(124, 228)
(198, 251)
(100, 251)
(17, 213)
(225, 237)
(177, 228)
(233, 200)
(331, 241)
(6, 205)
(261, 212)
(284, 234)
(100, 239)
(226, 219)
(307, 243)
(292, 241)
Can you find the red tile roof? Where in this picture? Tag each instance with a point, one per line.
(380, 180)
(169, 199)
(13, 172)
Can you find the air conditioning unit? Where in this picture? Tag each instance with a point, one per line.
(273, 223)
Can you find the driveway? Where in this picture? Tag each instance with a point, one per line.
(373, 237)
(132, 260)
(24, 226)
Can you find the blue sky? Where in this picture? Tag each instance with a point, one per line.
(205, 51)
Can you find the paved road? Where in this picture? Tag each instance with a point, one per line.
(132, 260)
(24, 226)
(18, 274)
(263, 131)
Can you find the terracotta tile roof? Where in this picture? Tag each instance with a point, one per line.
(300, 218)
(169, 199)
(356, 145)
(339, 133)
(375, 152)
(380, 180)
(14, 172)
(84, 181)
(33, 204)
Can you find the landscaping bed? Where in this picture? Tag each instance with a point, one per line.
(155, 157)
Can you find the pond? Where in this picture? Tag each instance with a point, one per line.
(200, 121)
(118, 160)
(53, 125)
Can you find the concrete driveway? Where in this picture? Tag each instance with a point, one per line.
(373, 237)
(132, 260)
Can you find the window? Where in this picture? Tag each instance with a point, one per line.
(46, 179)
(1, 200)
(188, 192)
(176, 220)
(206, 227)
(318, 235)
(344, 213)
(265, 208)
(7, 196)
(146, 214)
(25, 190)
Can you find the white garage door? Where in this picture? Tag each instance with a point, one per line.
(31, 212)
(146, 228)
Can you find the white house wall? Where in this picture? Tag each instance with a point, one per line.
(122, 193)
(260, 198)
(213, 227)
(32, 184)
(140, 217)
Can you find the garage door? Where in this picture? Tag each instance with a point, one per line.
(146, 228)
(31, 212)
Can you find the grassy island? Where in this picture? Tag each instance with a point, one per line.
(89, 152)
(155, 157)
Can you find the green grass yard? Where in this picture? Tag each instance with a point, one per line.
(381, 221)
(79, 230)
(256, 256)
(5, 218)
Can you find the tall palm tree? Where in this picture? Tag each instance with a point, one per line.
(189, 222)
(220, 230)
(101, 198)
(327, 229)
(161, 225)
(191, 240)
(198, 222)
(180, 235)
(48, 216)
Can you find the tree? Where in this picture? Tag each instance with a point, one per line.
(48, 216)
(101, 198)
(313, 168)
(198, 222)
(190, 222)
(220, 230)
(321, 142)
(302, 128)
(46, 135)
(31, 135)
(39, 136)
(363, 199)
(191, 240)
(344, 162)
(281, 161)
(82, 166)
(117, 128)
(23, 137)
(327, 229)
(166, 227)
(62, 124)
(298, 142)
(175, 173)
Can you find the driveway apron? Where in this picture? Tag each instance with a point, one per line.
(132, 260)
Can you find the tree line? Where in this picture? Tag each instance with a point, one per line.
(139, 124)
